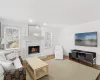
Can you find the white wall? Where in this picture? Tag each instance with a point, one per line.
(23, 26)
(44, 51)
(55, 35)
(67, 37)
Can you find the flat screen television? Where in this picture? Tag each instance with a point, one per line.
(86, 39)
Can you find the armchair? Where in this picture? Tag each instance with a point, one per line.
(58, 52)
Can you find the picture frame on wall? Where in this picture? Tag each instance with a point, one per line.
(12, 36)
(48, 39)
(86, 39)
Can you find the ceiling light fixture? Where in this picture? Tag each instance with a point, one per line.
(37, 26)
(45, 24)
(30, 20)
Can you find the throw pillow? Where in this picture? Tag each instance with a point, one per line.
(17, 63)
(3, 53)
(7, 65)
(12, 56)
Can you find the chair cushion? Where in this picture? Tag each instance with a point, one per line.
(17, 63)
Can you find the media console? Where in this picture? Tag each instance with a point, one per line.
(86, 56)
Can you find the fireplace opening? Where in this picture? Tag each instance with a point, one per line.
(33, 49)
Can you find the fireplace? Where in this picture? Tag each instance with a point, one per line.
(33, 49)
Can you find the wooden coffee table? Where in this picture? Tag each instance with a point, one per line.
(37, 67)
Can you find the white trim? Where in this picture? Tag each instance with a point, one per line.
(5, 37)
(46, 36)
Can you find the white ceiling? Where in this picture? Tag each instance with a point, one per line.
(51, 11)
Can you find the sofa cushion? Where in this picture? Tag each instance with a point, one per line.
(1, 73)
(7, 65)
(16, 74)
(11, 56)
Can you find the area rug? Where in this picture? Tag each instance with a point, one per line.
(69, 70)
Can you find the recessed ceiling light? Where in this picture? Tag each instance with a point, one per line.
(37, 26)
(30, 20)
(45, 24)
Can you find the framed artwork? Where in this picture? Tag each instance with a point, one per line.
(86, 39)
(48, 39)
(13, 38)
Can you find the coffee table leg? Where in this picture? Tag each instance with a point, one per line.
(34, 75)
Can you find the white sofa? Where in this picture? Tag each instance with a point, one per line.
(8, 56)
(1, 73)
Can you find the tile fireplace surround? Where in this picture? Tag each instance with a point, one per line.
(33, 43)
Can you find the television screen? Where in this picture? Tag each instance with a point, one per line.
(86, 39)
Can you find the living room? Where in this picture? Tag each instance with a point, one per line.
(42, 26)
